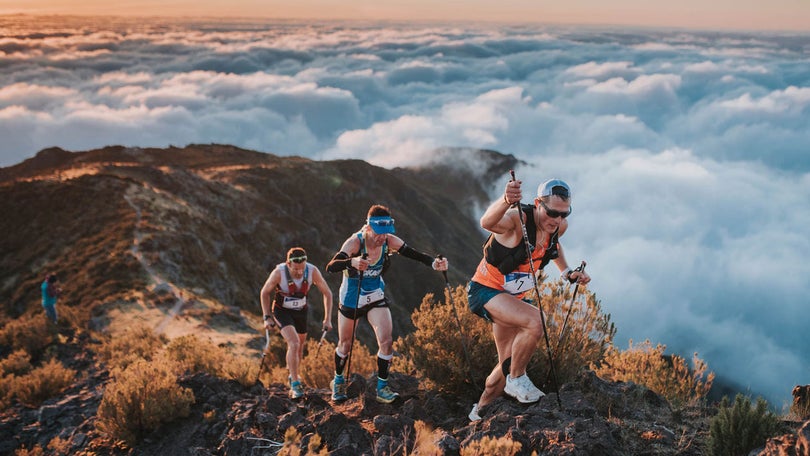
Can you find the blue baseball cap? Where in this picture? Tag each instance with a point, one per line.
(554, 187)
(381, 224)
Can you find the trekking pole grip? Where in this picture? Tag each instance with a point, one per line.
(444, 273)
(516, 204)
(580, 268)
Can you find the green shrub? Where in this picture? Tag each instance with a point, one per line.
(317, 368)
(5, 390)
(502, 446)
(668, 376)
(59, 446)
(588, 332)
(738, 429)
(424, 441)
(189, 354)
(242, 369)
(31, 333)
(292, 445)
(800, 410)
(140, 399)
(17, 363)
(41, 383)
(121, 350)
(436, 349)
(35, 451)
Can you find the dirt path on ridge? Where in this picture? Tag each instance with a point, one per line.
(153, 275)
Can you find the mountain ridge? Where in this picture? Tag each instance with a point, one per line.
(215, 219)
(181, 239)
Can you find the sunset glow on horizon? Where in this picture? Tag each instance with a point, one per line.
(793, 15)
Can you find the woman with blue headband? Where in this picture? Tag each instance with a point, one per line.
(363, 258)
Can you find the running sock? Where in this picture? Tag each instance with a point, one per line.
(340, 362)
(506, 365)
(383, 363)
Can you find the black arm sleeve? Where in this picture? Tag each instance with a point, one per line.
(339, 262)
(408, 252)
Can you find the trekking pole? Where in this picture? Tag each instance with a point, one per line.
(537, 291)
(320, 342)
(570, 309)
(458, 322)
(354, 321)
(264, 353)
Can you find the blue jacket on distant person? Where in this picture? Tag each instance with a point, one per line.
(50, 292)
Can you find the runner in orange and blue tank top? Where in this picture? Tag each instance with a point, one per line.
(504, 276)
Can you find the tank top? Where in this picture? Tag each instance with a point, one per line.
(292, 293)
(507, 268)
(373, 286)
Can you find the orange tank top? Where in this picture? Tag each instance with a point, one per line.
(517, 282)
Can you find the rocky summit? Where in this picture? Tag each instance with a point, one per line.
(597, 418)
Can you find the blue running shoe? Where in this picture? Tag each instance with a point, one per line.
(296, 390)
(384, 393)
(338, 385)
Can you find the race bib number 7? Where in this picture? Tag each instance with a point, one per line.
(367, 297)
(518, 282)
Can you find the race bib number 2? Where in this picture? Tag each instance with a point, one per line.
(517, 282)
(367, 297)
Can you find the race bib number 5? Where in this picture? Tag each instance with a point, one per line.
(517, 282)
(367, 297)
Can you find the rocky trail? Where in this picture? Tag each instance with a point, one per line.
(227, 418)
(154, 277)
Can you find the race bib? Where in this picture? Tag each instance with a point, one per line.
(517, 282)
(294, 303)
(367, 297)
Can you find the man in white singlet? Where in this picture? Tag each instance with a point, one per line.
(288, 309)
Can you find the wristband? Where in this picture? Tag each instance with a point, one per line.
(267, 317)
(565, 273)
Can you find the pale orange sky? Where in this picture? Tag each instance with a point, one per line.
(709, 14)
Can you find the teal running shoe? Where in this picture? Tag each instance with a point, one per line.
(296, 390)
(338, 385)
(384, 393)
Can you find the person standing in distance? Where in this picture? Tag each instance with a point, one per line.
(366, 252)
(288, 309)
(50, 293)
(503, 277)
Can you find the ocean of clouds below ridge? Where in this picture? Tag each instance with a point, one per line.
(687, 150)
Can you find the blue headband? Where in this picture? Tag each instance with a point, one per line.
(381, 224)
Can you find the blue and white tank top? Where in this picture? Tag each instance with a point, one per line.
(373, 286)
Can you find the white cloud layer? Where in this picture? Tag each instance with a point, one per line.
(688, 152)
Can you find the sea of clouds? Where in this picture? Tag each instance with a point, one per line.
(688, 152)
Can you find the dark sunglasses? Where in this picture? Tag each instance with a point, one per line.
(298, 259)
(554, 214)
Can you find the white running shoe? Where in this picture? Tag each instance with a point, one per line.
(522, 389)
(473, 416)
